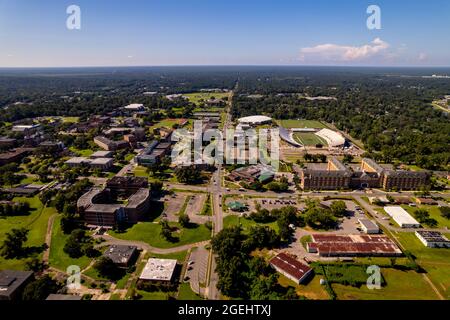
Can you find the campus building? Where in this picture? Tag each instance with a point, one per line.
(99, 207)
(370, 175)
(332, 245)
(401, 217)
(159, 271)
(432, 239)
(122, 256)
(12, 283)
(290, 267)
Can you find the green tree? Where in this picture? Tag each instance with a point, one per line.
(107, 268)
(40, 289)
(184, 220)
(12, 246)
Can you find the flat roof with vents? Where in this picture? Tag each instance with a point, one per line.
(159, 270)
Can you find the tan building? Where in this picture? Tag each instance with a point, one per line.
(371, 175)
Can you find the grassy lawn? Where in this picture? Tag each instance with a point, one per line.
(82, 153)
(246, 224)
(185, 293)
(36, 222)
(401, 285)
(197, 96)
(308, 139)
(58, 258)
(168, 123)
(434, 213)
(289, 124)
(30, 180)
(140, 172)
(179, 256)
(156, 295)
(70, 119)
(311, 289)
(149, 232)
(435, 261)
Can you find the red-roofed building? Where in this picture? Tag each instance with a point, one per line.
(290, 267)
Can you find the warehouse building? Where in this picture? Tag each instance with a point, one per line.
(432, 239)
(402, 217)
(291, 267)
(331, 245)
(369, 226)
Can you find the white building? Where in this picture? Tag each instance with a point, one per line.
(255, 120)
(135, 107)
(159, 270)
(433, 239)
(369, 226)
(401, 217)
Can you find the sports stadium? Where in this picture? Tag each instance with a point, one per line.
(316, 134)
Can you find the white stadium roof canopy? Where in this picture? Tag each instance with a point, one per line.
(255, 119)
(333, 138)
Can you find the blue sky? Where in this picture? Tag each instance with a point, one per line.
(213, 32)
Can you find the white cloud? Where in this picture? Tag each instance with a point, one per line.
(422, 57)
(339, 53)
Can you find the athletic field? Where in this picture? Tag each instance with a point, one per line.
(309, 139)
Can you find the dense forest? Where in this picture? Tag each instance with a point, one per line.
(388, 109)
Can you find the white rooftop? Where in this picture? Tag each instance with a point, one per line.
(158, 269)
(135, 106)
(401, 216)
(101, 161)
(255, 119)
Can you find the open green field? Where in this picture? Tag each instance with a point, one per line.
(435, 261)
(309, 139)
(167, 123)
(400, 285)
(36, 222)
(58, 258)
(196, 97)
(434, 213)
(149, 232)
(82, 153)
(290, 124)
(234, 220)
(311, 289)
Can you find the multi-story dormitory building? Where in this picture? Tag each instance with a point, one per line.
(370, 175)
(99, 207)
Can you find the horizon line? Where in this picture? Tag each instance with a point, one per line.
(227, 65)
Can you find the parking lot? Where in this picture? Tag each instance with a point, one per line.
(197, 268)
(173, 205)
(349, 224)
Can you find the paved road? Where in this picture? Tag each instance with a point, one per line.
(109, 240)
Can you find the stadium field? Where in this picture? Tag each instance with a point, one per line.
(308, 139)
